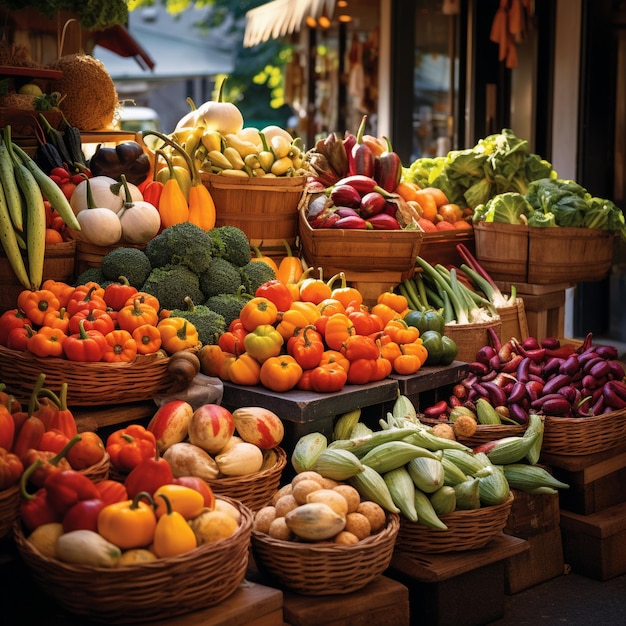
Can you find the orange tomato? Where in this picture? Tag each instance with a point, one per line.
(53, 236)
(427, 201)
(407, 191)
(426, 225)
(450, 212)
(439, 196)
(462, 225)
(443, 225)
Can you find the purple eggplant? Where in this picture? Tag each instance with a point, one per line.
(383, 221)
(372, 204)
(345, 196)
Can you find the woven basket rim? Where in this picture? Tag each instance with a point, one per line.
(142, 592)
(328, 547)
(577, 436)
(231, 481)
(467, 530)
(205, 549)
(325, 568)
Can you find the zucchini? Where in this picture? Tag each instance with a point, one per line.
(35, 215)
(9, 243)
(87, 547)
(12, 194)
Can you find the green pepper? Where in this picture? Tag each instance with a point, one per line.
(449, 350)
(432, 341)
(430, 319)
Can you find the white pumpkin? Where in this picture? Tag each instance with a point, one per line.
(107, 193)
(140, 222)
(100, 226)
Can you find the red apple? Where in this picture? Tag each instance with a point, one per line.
(170, 424)
(210, 428)
(200, 485)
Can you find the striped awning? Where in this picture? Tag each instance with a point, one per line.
(282, 17)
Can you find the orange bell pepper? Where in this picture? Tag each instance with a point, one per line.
(258, 311)
(148, 338)
(47, 341)
(280, 373)
(36, 304)
(122, 348)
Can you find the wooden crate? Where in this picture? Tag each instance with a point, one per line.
(535, 518)
(457, 589)
(544, 307)
(532, 514)
(384, 602)
(440, 248)
(541, 562)
(597, 481)
(595, 545)
(252, 604)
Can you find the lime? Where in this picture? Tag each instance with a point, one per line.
(30, 89)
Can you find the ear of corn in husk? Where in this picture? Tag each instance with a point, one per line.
(402, 491)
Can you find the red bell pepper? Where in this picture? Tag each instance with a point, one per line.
(67, 487)
(13, 318)
(361, 371)
(112, 491)
(51, 462)
(148, 475)
(85, 346)
(7, 428)
(35, 508)
(307, 347)
(117, 294)
(62, 419)
(129, 446)
(11, 469)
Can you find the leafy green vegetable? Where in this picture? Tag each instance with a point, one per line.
(542, 220)
(507, 208)
(499, 163)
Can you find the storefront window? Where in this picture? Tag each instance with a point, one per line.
(435, 81)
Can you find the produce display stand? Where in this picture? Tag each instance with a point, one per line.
(597, 481)
(535, 518)
(595, 545)
(304, 412)
(457, 589)
(544, 306)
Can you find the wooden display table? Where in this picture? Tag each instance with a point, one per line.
(457, 588)
(304, 412)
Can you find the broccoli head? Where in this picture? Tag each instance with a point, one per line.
(91, 274)
(171, 284)
(209, 324)
(129, 262)
(255, 273)
(228, 305)
(221, 277)
(236, 246)
(181, 244)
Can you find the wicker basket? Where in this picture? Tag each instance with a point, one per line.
(9, 509)
(467, 530)
(360, 250)
(578, 436)
(266, 209)
(325, 568)
(514, 323)
(58, 264)
(543, 256)
(89, 384)
(254, 490)
(100, 471)
(484, 432)
(472, 337)
(167, 587)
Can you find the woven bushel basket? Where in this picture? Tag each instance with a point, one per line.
(144, 592)
(88, 384)
(99, 471)
(578, 436)
(467, 530)
(9, 509)
(257, 489)
(318, 569)
(484, 432)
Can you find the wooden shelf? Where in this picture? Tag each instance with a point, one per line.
(30, 72)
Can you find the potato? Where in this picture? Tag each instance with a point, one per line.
(375, 515)
(352, 496)
(263, 518)
(358, 525)
(303, 488)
